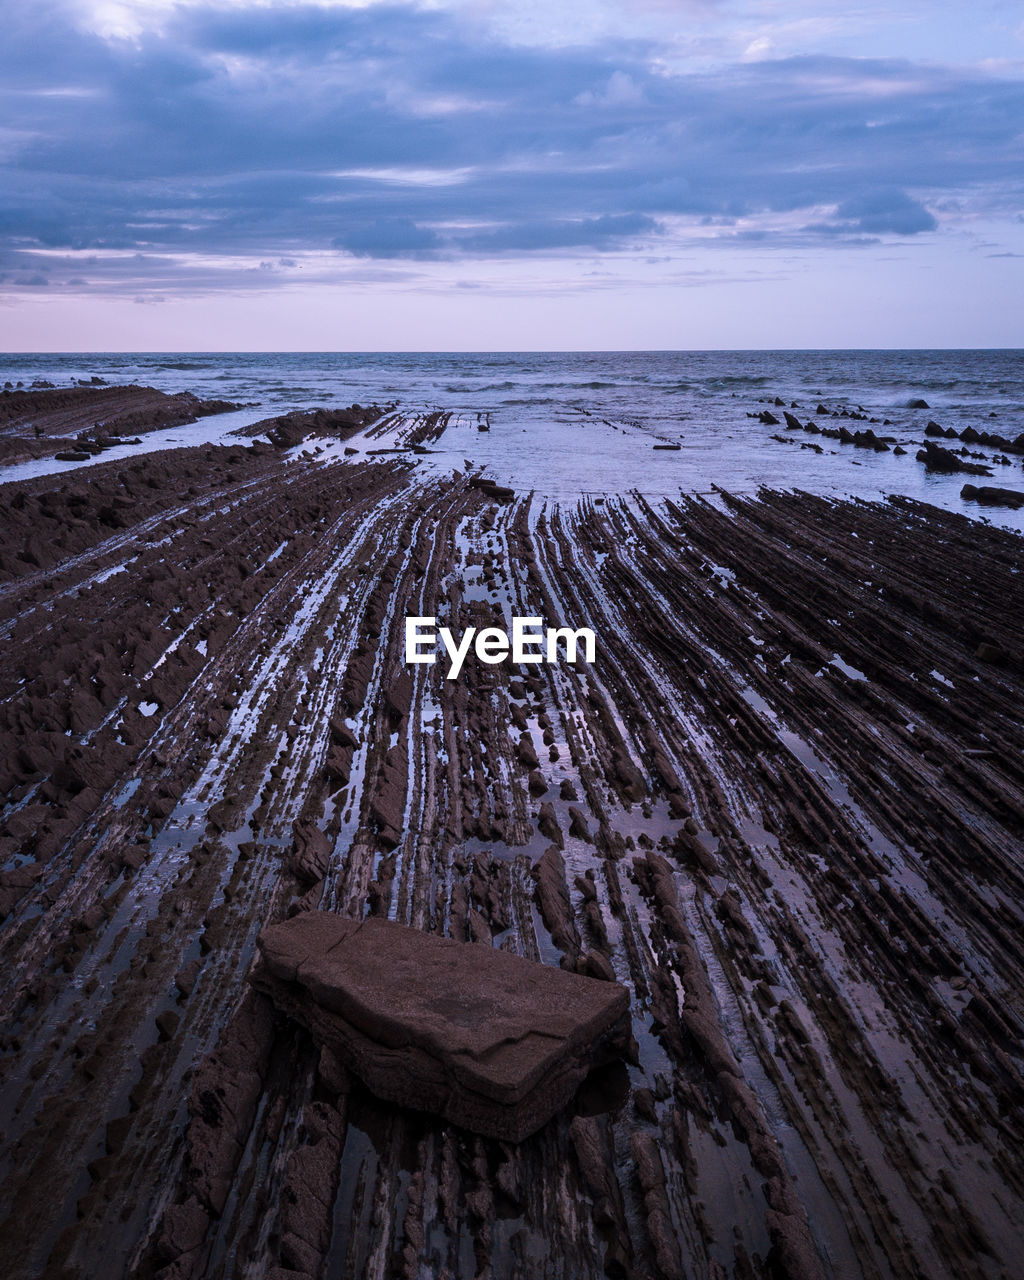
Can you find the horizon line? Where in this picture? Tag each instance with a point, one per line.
(490, 351)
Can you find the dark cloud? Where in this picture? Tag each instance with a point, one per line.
(608, 231)
(388, 238)
(395, 132)
(877, 212)
(881, 211)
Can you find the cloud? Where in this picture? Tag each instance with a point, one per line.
(761, 47)
(398, 237)
(609, 230)
(890, 210)
(394, 237)
(620, 91)
(227, 136)
(887, 211)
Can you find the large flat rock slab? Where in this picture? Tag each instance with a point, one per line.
(486, 1039)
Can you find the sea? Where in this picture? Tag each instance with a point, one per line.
(569, 424)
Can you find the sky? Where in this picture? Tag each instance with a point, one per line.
(511, 174)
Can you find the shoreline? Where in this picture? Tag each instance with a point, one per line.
(573, 453)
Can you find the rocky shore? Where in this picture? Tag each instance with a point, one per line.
(74, 423)
(784, 810)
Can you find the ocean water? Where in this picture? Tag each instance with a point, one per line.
(566, 424)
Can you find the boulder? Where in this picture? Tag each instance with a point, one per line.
(935, 458)
(547, 824)
(483, 1038)
(527, 753)
(341, 734)
(992, 496)
(578, 824)
(310, 853)
(338, 764)
(490, 487)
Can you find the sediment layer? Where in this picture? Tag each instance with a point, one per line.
(784, 809)
(489, 1040)
(83, 420)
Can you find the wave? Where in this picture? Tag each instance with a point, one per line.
(736, 380)
(487, 386)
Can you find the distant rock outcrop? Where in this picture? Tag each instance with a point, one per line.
(992, 496)
(935, 458)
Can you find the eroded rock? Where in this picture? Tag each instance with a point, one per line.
(491, 1041)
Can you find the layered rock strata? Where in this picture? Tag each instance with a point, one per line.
(489, 1040)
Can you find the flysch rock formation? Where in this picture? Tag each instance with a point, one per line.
(76, 423)
(489, 1040)
(784, 808)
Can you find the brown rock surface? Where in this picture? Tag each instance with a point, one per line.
(487, 1039)
(811, 884)
(34, 422)
(310, 852)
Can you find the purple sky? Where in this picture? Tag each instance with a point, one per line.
(474, 175)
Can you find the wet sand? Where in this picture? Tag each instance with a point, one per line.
(785, 808)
